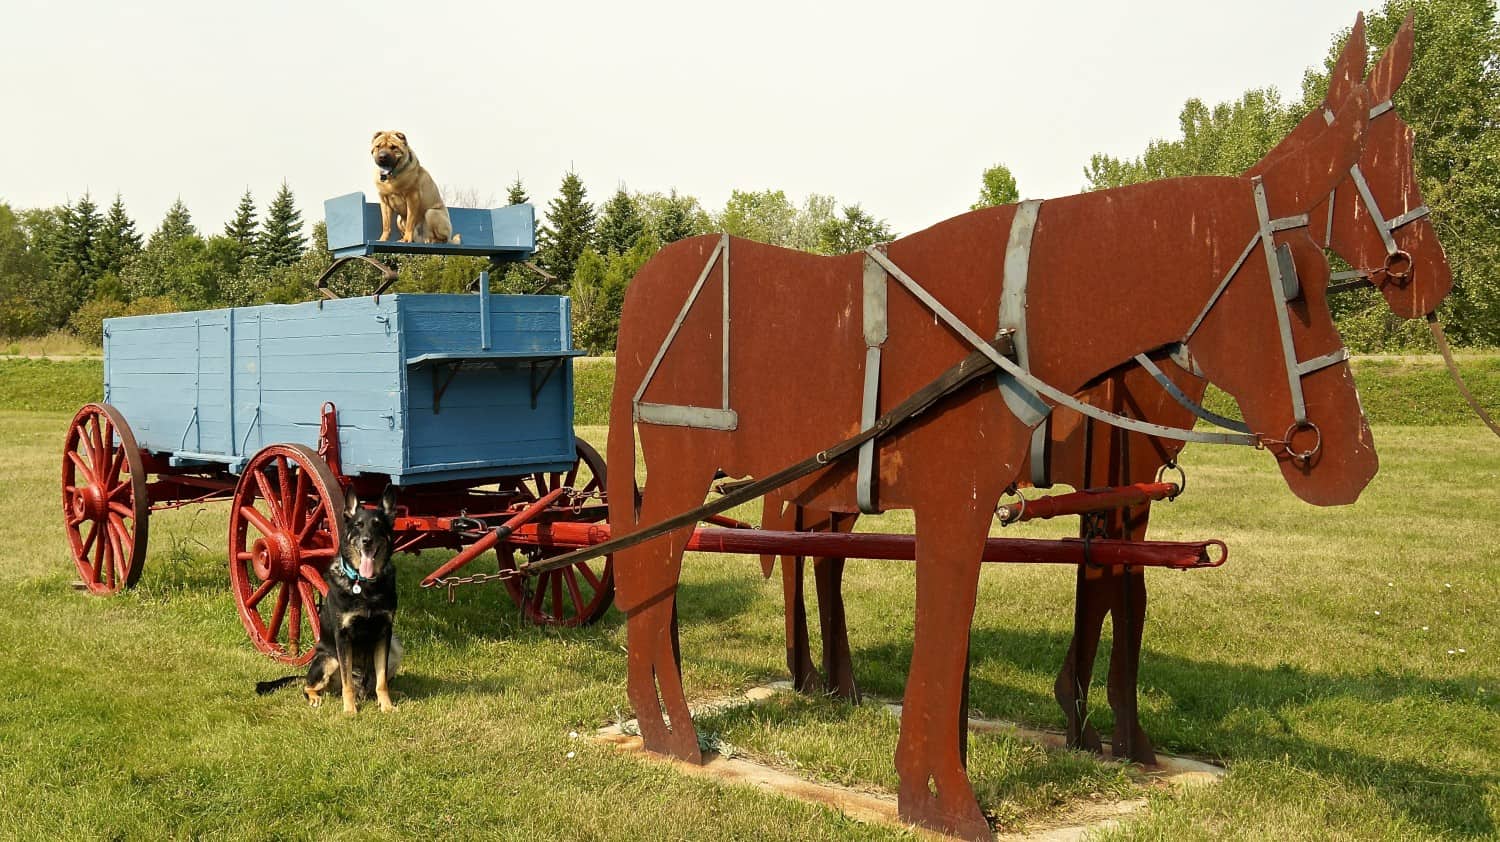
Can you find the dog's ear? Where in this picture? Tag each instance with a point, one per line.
(388, 503)
(400, 135)
(376, 137)
(351, 504)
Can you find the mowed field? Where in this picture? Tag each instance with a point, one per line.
(1344, 665)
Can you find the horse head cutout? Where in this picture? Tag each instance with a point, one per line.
(1304, 386)
(1377, 220)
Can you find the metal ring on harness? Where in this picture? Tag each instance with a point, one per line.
(1303, 456)
(1171, 465)
(1398, 267)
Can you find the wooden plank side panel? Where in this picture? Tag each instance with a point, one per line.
(163, 370)
(290, 360)
(485, 415)
(451, 323)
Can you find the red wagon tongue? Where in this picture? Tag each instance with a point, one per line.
(367, 567)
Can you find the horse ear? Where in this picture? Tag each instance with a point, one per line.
(1349, 70)
(1390, 71)
(1299, 181)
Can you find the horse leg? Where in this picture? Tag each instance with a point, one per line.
(648, 576)
(805, 677)
(828, 573)
(787, 517)
(1093, 596)
(935, 791)
(1129, 614)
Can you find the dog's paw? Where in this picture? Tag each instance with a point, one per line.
(387, 707)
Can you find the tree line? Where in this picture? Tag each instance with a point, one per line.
(71, 266)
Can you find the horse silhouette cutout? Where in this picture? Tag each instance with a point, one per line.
(1113, 274)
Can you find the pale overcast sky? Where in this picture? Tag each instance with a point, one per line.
(896, 106)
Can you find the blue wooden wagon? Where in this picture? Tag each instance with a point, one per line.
(464, 403)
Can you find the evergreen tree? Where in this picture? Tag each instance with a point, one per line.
(516, 195)
(242, 229)
(673, 217)
(176, 225)
(81, 224)
(281, 241)
(118, 241)
(620, 224)
(569, 229)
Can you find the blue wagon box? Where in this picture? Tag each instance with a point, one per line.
(428, 388)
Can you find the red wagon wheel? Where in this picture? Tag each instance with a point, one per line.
(105, 505)
(285, 526)
(573, 596)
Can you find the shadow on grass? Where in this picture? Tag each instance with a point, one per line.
(1206, 703)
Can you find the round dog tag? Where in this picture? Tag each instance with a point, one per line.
(355, 588)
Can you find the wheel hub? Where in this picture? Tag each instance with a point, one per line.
(92, 503)
(276, 557)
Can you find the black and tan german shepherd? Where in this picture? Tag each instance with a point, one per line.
(357, 651)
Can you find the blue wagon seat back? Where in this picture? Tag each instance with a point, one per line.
(422, 395)
(502, 234)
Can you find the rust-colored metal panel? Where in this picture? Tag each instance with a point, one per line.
(1112, 274)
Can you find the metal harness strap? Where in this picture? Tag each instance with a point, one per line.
(1386, 226)
(1283, 284)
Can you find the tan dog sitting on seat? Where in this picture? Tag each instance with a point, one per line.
(407, 193)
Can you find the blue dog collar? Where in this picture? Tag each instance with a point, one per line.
(352, 574)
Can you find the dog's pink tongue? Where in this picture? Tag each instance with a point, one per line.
(367, 566)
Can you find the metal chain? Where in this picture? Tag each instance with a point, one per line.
(451, 582)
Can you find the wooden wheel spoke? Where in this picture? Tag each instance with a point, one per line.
(121, 509)
(273, 628)
(541, 484)
(118, 527)
(285, 491)
(258, 520)
(88, 543)
(99, 555)
(269, 496)
(319, 552)
(294, 626)
(540, 592)
(299, 503)
(572, 475)
(260, 592)
(557, 595)
(572, 581)
(96, 442)
(117, 468)
(89, 476)
(588, 573)
(123, 488)
(117, 563)
(75, 516)
(314, 517)
(107, 445)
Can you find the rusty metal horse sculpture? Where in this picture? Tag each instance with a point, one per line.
(1079, 286)
(1407, 265)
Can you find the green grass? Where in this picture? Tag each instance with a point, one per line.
(134, 716)
(1400, 390)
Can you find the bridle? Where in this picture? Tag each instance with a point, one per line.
(1286, 287)
(1397, 268)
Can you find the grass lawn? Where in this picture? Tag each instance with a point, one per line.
(1316, 665)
